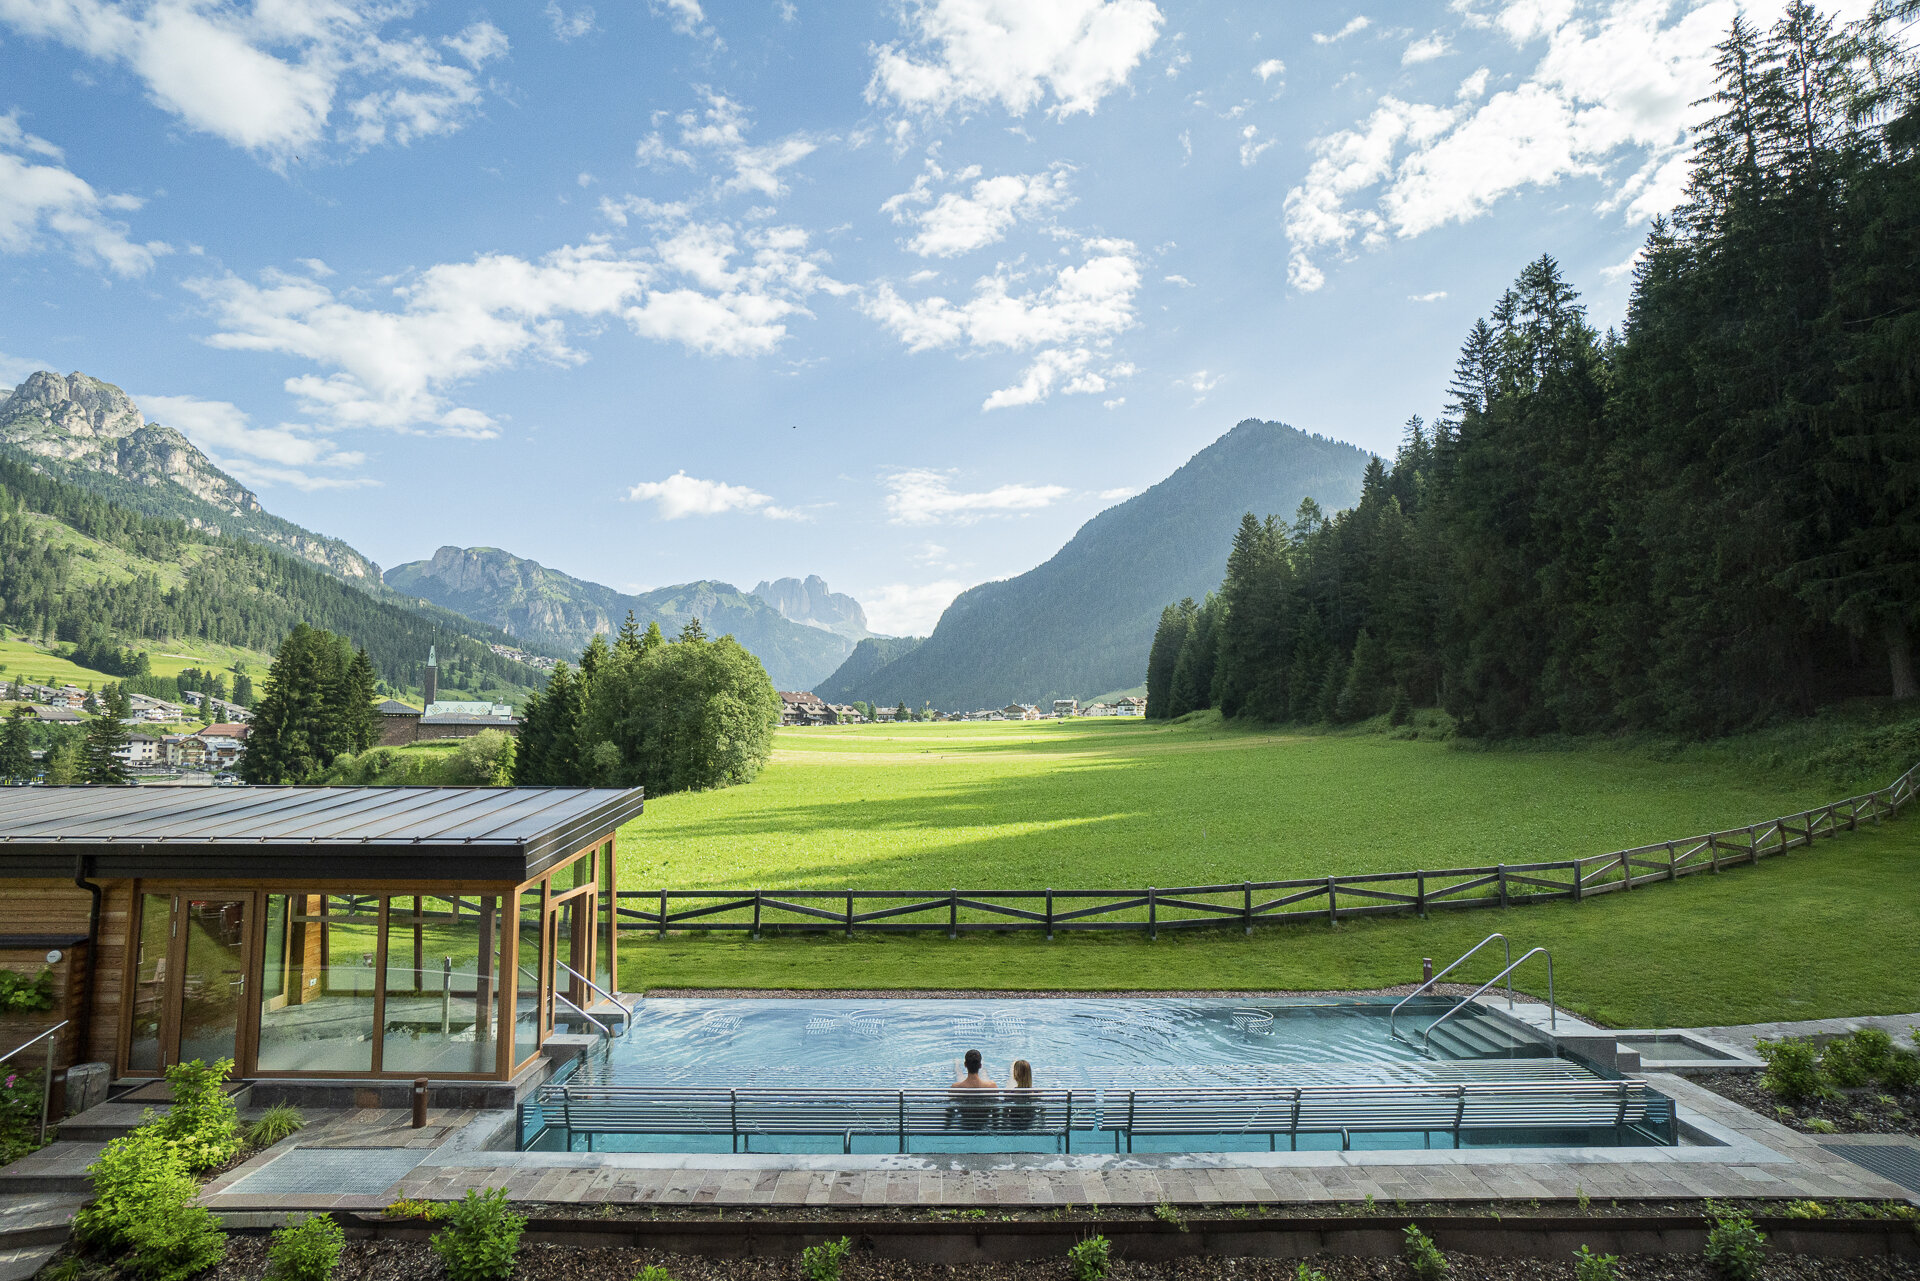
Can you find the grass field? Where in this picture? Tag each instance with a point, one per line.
(169, 658)
(1819, 933)
(1106, 803)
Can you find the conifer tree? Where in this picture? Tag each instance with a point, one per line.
(106, 738)
(16, 747)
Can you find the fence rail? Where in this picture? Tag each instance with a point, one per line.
(1249, 903)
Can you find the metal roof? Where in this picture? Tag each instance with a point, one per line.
(467, 833)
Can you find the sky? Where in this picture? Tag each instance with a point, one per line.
(897, 293)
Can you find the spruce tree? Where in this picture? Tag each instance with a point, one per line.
(106, 737)
(16, 747)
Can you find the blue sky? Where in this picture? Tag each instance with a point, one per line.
(896, 293)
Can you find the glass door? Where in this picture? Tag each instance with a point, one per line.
(190, 979)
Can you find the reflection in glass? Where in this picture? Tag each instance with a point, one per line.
(149, 982)
(575, 874)
(443, 962)
(316, 997)
(213, 977)
(603, 943)
(526, 1001)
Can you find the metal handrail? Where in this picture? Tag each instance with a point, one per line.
(1426, 1042)
(604, 1029)
(1450, 969)
(46, 1076)
(626, 1011)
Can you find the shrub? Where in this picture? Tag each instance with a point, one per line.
(1805, 1210)
(482, 1237)
(204, 1123)
(1168, 1215)
(306, 1251)
(1793, 1070)
(275, 1124)
(1735, 1248)
(410, 1208)
(1588, 1266)
(19, 1114)
(1869, 1055)
(1090, 1258)
(653, 1272)
(143, 1205)
(1423, 1256)
(823, 1262)
(25, 995)
(1305, 1273)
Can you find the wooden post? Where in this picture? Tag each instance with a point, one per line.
(1333, 916)
(1579, 877)
(953, 914)
(663, 913)
(1420, 894)
(756, 914)
(1153, 915)
(849, 913)
(1673, 871)
(1049, 913)
(1626, 872)
(1246, 907)
(1713, 849)
(1502, 869)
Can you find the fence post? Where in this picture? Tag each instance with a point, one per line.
(849, 913)
(1502, 868)
(1153, 915)
(1246, 906)
(1420, 894)
(953, 914)
(1713, 849)
(1333, 915)
(756, 915)
(1626, 872)
(1673, 871)
(1049, 913)
(663, 913)
(1579, 875)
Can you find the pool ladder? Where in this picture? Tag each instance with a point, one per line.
(1506, 972)
(626, 1011)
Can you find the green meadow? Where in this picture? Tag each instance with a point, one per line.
(1116, 803)
(1107, 803)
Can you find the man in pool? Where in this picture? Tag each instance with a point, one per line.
(973, 1080)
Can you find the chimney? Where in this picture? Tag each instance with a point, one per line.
(432, 691)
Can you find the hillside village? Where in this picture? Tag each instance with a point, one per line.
(802, 708)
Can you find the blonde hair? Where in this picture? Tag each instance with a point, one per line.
(1022, 1074)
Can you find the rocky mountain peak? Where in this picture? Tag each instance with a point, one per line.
(77, 405)
(810, 601)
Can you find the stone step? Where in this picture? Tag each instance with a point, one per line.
(20, 1263)
(37, 1218)
(61, 1166)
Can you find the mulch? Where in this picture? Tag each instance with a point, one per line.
(415, 1261)
(1870, 1110)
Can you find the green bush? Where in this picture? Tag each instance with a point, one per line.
(1870, 1055)
(306, 1251)
(1091, 1258)
(1423, 1256)
(143, 1205)
(203, 1124)
(20, 1102)
(1805, 1210)
(653, 1272)
(1588, 1266)
(1305, 1273)
(1735, 1248)
(25, 995)
(275, 1124)
(1793, 1070)
(823, 1262)
(482, 1237)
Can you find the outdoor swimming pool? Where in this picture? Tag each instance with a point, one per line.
(697, 1064)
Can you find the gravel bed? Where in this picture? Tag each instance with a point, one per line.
(415, 1261)
(1864, 1111)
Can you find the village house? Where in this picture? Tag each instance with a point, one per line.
(224, 744)
(1066, 707)
(141, 752)
(803, 708)
(57, 715)
(846, 715)
(184, 751)
(1131, 705)
(1097, 709)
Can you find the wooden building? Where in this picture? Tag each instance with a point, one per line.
(311, 933)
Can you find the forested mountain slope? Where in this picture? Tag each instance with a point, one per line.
(547, 607)
(868, 657)
(1081, 623)
(75, 566)
(90, 434)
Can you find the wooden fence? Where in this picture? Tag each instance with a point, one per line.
(1249, 903)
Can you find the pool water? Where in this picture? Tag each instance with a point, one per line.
(1098, 1046)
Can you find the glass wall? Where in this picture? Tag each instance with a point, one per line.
(443, 966)
(149, 982)
(526, 1011)
(317, 986)
(603, 940)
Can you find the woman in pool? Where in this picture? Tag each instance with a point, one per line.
(1022, 1075)
(1022, 1116)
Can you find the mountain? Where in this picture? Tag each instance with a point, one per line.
(811, 603)
(868, 657)
(1081, 623)
(80, 567)
(548, 607)
(89, 433)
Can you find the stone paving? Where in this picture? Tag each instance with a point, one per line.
(1747, 1155)
(1742, 1036)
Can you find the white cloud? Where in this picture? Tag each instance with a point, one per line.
(1616, 85)
(14, 369)
(1181, 281)
(683, 495)
(1069, 320)
(909, 609)
(43, 203)
(1425, 49)
(1354, 27)
(720, 129)
(1435, 296)
(962, 54)
(1269, 69)
(270, 77)
(704, 285)
(922, 496)
(1115, 403)
(1200, 383)
(569, 25)
(1115, 495)
(1250, 148)
(256, 455)
(956, 222)
(686, 17)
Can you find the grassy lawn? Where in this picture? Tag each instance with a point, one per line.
(169, 658)
(1817, 933)
(1105, 803)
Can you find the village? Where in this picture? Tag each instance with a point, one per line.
(801, 708)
